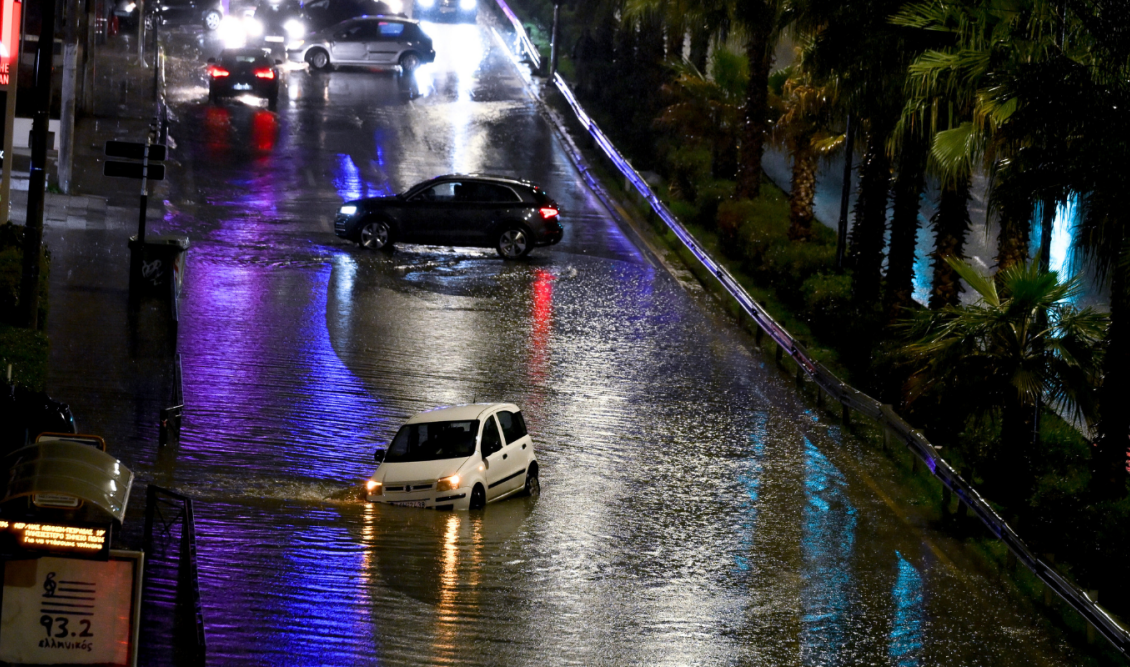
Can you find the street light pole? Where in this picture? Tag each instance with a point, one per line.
(553, 42)
(37, 176)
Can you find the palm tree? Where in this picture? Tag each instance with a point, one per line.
(761, 22)
(805, 106)
(1002, 356)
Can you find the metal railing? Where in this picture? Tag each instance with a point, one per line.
(164, 511)
(849, 397)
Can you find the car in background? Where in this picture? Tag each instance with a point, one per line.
(246, 71)
(512, 216)
(454, 10)
(368, 41)
(322, 14)
(457, 458)
(208, 13)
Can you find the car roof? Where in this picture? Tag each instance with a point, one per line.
(508, 180)
(246, 51)
(459, 412)
(385, 18)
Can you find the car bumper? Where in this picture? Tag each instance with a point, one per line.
(343, 226)
(235, 89)
(459, 499)
(551, 237)
(296, 55)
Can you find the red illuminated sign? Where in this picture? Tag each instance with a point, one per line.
(10, 12)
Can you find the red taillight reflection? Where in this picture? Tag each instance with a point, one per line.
(265, 74)
(218, 72)
(547, 213)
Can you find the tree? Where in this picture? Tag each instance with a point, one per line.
(1001, 356)
(802, 127)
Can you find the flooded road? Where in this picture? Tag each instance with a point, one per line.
(695, 510)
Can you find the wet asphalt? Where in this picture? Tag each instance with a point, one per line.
(695, 509)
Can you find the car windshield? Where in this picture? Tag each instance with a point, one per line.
(433, 441)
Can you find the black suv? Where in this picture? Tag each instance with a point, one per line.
(510, 215)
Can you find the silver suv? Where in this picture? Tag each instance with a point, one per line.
(367, 41)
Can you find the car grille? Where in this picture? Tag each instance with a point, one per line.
(410, 487)
(339, 224)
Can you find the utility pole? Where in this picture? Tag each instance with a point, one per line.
(845, 196)
(67, 107)
(37, 176)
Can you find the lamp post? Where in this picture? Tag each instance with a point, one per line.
(553, 42)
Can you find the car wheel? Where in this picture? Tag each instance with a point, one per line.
(318, 59)
(478, 497)
(533, 486)
(514, 243)
(375, 235)
(409, 61)
(212, 19)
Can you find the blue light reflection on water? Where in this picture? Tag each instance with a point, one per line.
(749, 479)
(906, 626)
(827, 545)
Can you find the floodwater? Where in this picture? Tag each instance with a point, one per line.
(695, 509)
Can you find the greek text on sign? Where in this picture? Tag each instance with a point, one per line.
(56, 538)
(66, 611)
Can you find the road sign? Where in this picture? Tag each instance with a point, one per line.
(133, 170)
(132, 150)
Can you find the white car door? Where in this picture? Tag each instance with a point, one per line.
(518, 448)
(501, 467)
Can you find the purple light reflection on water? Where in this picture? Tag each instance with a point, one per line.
(245, 391)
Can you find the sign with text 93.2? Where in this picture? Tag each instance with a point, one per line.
(69, 611)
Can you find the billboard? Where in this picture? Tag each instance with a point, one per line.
(10, 13)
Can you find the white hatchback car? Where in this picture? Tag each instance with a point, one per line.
(457, 458)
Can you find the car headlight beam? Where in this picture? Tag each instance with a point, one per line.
(347, 210)
(374, 488)
(295, 29)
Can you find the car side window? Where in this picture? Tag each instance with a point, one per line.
(441, 192)
(490, 193)
(492, 439)
(513, 426)
(391, 30)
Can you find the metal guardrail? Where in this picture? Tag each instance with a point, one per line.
(192, 651)
(848, 396)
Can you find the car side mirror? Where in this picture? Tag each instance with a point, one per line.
(379, 456)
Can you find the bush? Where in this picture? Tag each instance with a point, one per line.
(827, 301)
(26, 351)
(11, 271)
(751, 226)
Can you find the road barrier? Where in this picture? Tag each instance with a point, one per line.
(172, 581)
(848, 397)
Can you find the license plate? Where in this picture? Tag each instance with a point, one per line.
(411, 503)
(242, 86)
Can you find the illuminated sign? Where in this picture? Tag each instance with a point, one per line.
(54, 537)
(58, 610)
(10, 12)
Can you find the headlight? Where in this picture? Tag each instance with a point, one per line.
(347, 210)
(395, 6)
(426, 4)
(448, 483)
(374, 488)
(295, 29)
(467, 4)
(130, 7)
(253, 27)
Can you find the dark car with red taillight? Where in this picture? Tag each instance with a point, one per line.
(511, 215)
(238, 72)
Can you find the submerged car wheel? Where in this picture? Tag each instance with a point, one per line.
(409, 61)
(533, 486)
(212, 19)
(514, 243)
(375, 235)
(478, 497)
(318, 59)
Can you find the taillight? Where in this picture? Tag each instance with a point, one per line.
(547, 213)
(265, 73)
(218, 72)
